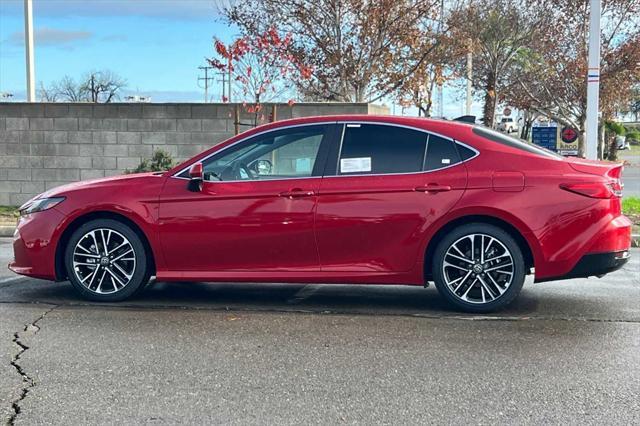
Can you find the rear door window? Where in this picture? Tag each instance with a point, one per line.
(381, 149)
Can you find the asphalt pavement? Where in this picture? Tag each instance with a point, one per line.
(565, 352)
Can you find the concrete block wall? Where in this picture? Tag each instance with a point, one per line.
(44, 145)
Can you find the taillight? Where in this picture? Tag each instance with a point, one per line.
(594, 189)
(616, 175)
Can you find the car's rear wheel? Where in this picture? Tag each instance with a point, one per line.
(478, 268)
(106, 261)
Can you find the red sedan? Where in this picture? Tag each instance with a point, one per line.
(358, 199)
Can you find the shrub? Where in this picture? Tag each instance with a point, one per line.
(615, 127)
(159, 162)
(633, 135)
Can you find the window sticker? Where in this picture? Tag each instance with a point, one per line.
(446, 161)
(354, 165)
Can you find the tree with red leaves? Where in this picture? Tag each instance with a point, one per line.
(261, 66)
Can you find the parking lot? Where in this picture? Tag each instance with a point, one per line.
(564, 352)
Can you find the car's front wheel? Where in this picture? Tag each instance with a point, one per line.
(106, 261)
(478, 268)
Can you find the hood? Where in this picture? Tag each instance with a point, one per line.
(113, 180)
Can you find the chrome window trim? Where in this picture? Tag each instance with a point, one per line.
(343, 123)
(428, 132)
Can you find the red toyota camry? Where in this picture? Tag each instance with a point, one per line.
(355, 199)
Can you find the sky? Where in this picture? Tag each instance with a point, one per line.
(156, 45)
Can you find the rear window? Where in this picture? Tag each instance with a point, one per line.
(507, 140)
(440, 153)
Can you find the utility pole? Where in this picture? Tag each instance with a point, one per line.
(206, 81)
(593, 82)
(223, 74)
(28, 42)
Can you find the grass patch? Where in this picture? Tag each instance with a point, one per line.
(631, 209)
(9, 214)
(631, 205)
(9, 211)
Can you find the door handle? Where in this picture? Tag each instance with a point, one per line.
(432, 187)
(297, 193)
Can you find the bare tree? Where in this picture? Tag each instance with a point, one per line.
(96, 86)
(102, 86)
(48, 94)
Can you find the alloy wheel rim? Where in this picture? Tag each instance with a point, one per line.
(478, 268)
(104, 261)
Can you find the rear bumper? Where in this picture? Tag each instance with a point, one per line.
(566, 246)
(595, 264)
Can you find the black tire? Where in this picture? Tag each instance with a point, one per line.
(139, 268)
(501, 301)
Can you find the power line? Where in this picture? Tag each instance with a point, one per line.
(206, 80)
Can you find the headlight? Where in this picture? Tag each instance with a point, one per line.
(39, 205)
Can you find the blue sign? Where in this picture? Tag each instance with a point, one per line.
(545, 137)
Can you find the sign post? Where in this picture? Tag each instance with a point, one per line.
(593, 82)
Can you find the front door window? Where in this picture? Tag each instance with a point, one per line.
(277, 155)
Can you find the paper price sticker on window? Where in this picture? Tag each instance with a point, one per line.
(355, 165)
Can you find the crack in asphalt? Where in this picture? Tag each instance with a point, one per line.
(27, 381)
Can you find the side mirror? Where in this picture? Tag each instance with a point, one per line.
(263, 167)
(196, 173)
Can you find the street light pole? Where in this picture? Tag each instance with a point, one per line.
(28, 42)
(593, 82)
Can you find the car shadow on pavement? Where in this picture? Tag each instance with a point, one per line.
(330, 298)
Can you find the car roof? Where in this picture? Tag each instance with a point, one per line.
(437, 125)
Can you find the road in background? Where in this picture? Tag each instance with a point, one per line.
(631, 173)
(282, 353)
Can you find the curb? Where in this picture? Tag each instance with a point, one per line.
(7, 230)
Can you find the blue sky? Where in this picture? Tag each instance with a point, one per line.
(156, 45)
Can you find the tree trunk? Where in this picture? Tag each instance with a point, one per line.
(613, 149)
(581, 136)
(488, 112)
(526, 126)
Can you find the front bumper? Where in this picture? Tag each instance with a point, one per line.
(595, 264)
(34, 244)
